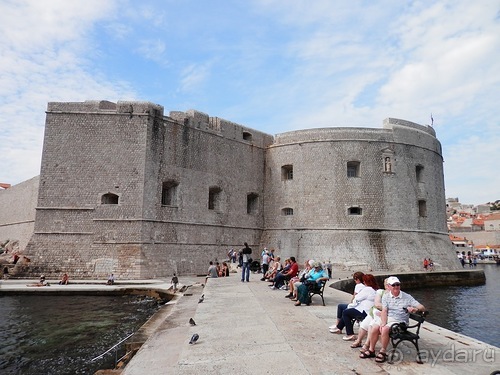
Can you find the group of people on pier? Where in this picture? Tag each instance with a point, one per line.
(374, 309)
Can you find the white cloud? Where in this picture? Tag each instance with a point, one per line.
(44, 59)
(152, 49)
(277, 66)
(194, 76)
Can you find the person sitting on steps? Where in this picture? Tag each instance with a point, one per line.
(64, 279)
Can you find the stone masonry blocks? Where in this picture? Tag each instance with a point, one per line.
(107, 169)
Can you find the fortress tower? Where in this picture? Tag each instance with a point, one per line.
(125, 189)
(368, 198)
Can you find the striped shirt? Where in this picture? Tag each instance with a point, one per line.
(396, 306)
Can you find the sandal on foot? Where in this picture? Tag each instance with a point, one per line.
(356, 344)
(297, 303)
(364, 348)
(381, 357)
(367, 354)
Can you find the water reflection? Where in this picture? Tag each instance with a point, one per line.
(61, 334)
(473, 311)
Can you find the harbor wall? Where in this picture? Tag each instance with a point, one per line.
(422, 280)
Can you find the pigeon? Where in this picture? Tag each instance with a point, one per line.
(194, 338)
(201, 298)
(192, 322)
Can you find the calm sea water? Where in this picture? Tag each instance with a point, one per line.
(473, 311)
(61, 334)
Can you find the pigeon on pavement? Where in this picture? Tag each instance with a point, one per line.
(194, 338)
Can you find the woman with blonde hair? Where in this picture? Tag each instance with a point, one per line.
(365, 325)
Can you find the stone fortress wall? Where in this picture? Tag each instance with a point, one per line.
(125, 189)
(125, 153)
(17, 211)
(383, 218)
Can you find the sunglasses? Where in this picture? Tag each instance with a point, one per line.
(396, 284)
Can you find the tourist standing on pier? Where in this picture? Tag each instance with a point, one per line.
(265, 263)
(247, 260)
(174, 282)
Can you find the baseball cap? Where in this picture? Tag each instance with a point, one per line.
(392, 280)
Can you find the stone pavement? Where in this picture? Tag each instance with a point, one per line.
(247, 328)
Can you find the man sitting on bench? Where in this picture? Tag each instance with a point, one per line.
(396, 308)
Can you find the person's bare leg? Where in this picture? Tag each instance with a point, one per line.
(373, 337)
(366, 344)
(384, 339)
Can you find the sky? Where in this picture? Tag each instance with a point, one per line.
(271, 65)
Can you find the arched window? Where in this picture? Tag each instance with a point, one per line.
(109, 198)
(288, 211)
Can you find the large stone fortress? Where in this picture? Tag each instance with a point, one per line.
(125, 189)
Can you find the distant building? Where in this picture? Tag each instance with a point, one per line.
(483, 209)
(492, 222)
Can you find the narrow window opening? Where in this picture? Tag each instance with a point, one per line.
(353, 168)
(288, 211)
(422, 208)
(419, 172)
(354, 211)
(169, 193)
(214, 198)
(287, 172)
(252, 201)
(109, 198)
(247, 136)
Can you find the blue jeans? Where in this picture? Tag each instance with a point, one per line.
(340, 309)
(245, 269)
(348, 317)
